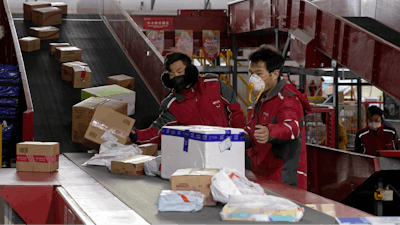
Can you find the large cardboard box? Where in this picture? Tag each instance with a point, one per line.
(112, 91)
(82, 76)
(44, 33)
(104, 119)
(47, 16)
(37, 156)
(29, 44)
(67, 69)
(201, 147)
(133, 165)
(123, 81)
(29, 6)
(82, 114)
(52, 47)
(60, 5)
(149, 149)
(194, 180)
(68, 54)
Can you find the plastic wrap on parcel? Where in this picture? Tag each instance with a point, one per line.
(228, 182)
(183, 201)
(261, 208)
(153, 167)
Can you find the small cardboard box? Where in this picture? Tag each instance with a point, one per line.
(44, 33)
(123, 81)
(29, 6)
(82, 114)
(29, 44)
(104, 119)
(60, 5)
(68, 54)
(67, 71)
(82, 76)
(52, 47)
(37, 156)
(133, 165)
(47, 16)
(194, 180)
(149, 149)
(112, 91)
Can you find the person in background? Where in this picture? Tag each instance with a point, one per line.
(376, 136)
(193, 100)
(276, 126)
(342, 135)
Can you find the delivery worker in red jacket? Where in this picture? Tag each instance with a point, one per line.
(376, 136)
(276, 126)
(193, 100)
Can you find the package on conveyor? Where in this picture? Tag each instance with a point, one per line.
(37, 156)
(123, 81)
(82, 76)
(153, 167)
(47, 16)
(149, 149)
(60, 5)
(67, 69)
(201, 147)
(83, 111)
(112, 91)
(106, 119)
(29, 6)
(68, 54)
(29, 44)
(43, 33)
(182, 201)
(133, 165)
(194, 180)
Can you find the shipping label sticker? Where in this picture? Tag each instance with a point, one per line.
(225, 144)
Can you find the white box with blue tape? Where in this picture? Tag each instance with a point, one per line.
(201, 147)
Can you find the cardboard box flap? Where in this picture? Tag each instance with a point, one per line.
(48, 9)
(46, 28)
(60, 44)
(108, 90)
(79, 68)
(70, 48)
(136, 159)
(37, 3)
(120, 77)
(196, 172)
(28, 38)
(55, 4)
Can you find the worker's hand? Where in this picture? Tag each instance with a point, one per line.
(261, 134)
(133, 131)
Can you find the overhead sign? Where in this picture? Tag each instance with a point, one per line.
(184, 42)
(158, 23)
(211, 43)
(157, 39)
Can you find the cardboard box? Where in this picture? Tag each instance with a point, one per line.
(37, 156)
(68, 54)
(112, 91)
(47, 16)
(194, 180)
(149, 149)
(52, 47)
(82, 76)
(44, 33)
(133, 165)
(67, 69)
(201, 147)
(104, 119)
(60, 5)
(82, 114)
(29, 44)
(29, 6)
(123, 81)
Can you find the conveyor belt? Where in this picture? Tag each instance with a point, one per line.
(53, 98)
(141, 192)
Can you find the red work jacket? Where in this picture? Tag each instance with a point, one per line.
(369, 141)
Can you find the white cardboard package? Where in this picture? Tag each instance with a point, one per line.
(201, 147)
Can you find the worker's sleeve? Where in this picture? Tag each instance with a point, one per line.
(287, 123)
(359, 144)
(396, 140)
(235, 115)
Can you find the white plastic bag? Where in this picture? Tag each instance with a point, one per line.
(183, 201)
(261, 208)
(153, 167)
(229, 182)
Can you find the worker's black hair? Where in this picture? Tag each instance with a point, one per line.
(372, 110)
(176, 56)
(268, 54)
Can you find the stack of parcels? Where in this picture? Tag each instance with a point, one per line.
(68, 54)
(37, 156)
(44, 33)
(133, 165)
(29, 6)
(29, 44)
(82, 114)
(201, 147)
(123, 81)
(113, 91)
(47, 16)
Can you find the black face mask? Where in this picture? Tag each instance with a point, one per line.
(180, 82)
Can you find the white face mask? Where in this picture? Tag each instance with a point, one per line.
(374, 125)
(258, 83)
